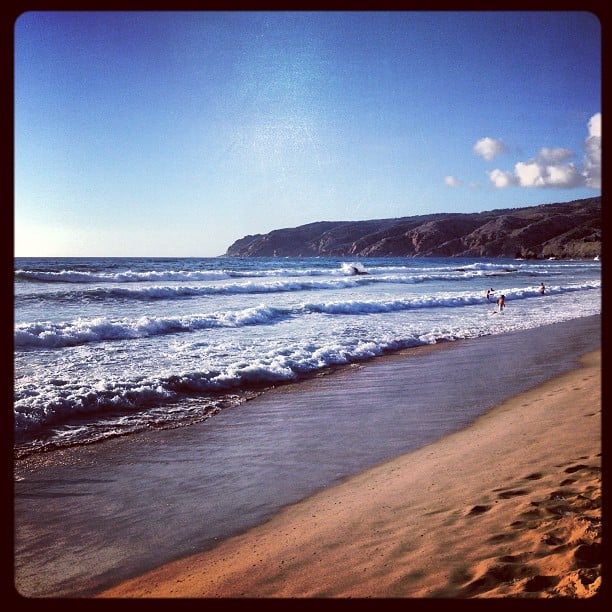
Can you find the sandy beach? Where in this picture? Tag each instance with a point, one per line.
(507, 507)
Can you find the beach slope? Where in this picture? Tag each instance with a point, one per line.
(507, 507)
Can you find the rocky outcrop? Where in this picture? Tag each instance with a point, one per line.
(564, 230)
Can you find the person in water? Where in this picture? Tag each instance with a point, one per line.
(542, 288)
(489, 292)
(501, 302)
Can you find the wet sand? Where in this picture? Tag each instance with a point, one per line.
(89, 518)
(507, 507)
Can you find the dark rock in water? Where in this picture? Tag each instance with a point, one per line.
(568, 230)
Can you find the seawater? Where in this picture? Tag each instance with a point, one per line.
(111, 346)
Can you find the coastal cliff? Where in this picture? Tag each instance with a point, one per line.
(568, 230)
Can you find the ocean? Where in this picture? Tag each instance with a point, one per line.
(107, 347)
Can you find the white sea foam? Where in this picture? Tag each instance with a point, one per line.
(283, 285)
(71, 333)
(52, 335)
(153, 339)
(129, 276)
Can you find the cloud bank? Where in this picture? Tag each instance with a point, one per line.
(551, 166)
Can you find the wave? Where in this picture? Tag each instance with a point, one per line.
(129, 276)
(56, 409)
(161, 292)
(284, 285)
(133, 276)
(355, 307)
(49, 335)
(73, 333)
(65, 403)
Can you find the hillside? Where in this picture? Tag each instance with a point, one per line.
(563, 230)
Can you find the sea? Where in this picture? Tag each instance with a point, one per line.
(107, 347)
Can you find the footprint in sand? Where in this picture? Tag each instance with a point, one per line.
(541, 583)
(561, 465)
(553, 540)
(495, 575)
(532, 515)
(575, 468)
(561, 494)
(582, 466)
(588, 555)
(502, 537)
(560, 510)
(460, 576)
(514, 558)
(534, 476)
(512, 493)
(478, 510)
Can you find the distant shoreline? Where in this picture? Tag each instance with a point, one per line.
(566, 230)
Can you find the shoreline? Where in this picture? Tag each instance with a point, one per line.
(29, 460)
(509, 506)
(88, 518)
(32, 459)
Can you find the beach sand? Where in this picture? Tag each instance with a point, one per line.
(509, 506)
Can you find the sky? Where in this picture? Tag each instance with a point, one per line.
(173, 134)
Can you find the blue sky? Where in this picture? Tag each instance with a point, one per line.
(175, 134)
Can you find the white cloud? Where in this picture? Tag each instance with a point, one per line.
(595, 125)
(501, 179)
(563, 176)
(488, 148)
(554, 156)
(592, 145)
(529, 174)
(547, 170)
(451, 181)
(551, 168)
